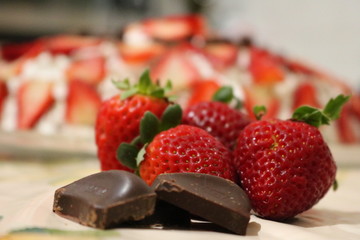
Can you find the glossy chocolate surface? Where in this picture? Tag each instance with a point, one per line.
(105, 199)
(215, 199)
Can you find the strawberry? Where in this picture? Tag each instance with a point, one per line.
(202, 90)
(90, 70)
(82, 103)
(261, 95)
(66, 44)
(265, 68)
(119, 118)
(285, 166)
(4, 92)
(218, 118)
(176, 65)
(175, 28)
(12, 51)
(34, 99)
(171, 148)
(306, 94)
(133, 54)
(221, 54)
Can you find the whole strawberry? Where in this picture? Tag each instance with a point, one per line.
(180, 148)
(285, 166)
(119, 118)
(218, 118)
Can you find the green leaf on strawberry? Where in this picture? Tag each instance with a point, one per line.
(129, 154)
(317, 117)
(145, 86)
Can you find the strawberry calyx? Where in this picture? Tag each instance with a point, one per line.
(317, 117)
(131, 154)
(145, 86)
(225, 94)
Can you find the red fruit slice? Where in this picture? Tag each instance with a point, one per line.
(261, 96)
(264, 67)
(174, 28)
(345, 125)
(36, 48)
(12, 51)
(65, 44)
(82, 103)
(203, 90)
(34, 99)
(3, 95)
(306, 94)
(221, 55)
(134, 54)
(176, 65)
(90, 70)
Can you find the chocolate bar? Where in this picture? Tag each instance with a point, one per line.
(215, 199)
(105, 200)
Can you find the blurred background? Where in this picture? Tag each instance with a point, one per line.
(325, 33)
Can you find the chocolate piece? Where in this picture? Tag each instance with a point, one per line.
(106, 199)
(215, 199)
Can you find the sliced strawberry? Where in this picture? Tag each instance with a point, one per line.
(65, 44)
(12, 51)
(37, 47)
(34, 99)
(82, 103)
(345, 126)
(4, 92)
(174, 28)
(221, 54)
(264, 67)
(306, 94)
(176, 65)
(261, 96)
(134, 54)
(355, 105)
(90, 70)
(203, 90)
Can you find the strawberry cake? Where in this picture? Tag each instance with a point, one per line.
(55, 84)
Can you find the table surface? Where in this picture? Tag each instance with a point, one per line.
(27, 189)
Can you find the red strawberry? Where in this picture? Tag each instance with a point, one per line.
(140, 54)
(264, 68)
(4, 92)
(186, 149)
(170, 147)
(82, 103)
(221, 54)
(202, 90)
(306, 94)
(261, 95)
(34, 99)
(90, 70)
(176, 65)
(175, 28)
(119, 118)
(66, 44)
(12, 51)
(218, 119)
(285, 166)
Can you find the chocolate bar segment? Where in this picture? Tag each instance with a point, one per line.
(215, 199)
(105, 200)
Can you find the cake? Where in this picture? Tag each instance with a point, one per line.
(55, 84)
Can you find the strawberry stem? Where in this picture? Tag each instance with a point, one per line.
(145, 86)
(259, 111)
(317, 117)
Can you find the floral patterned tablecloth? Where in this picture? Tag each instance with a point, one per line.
(27, 188)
